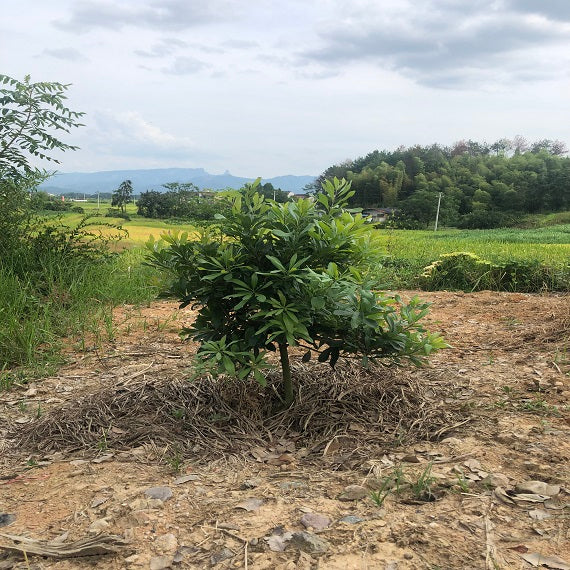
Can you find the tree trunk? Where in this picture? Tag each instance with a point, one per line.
(288, 394)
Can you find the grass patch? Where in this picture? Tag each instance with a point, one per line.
(72, 299)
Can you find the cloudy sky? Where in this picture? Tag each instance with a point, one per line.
(266, 88)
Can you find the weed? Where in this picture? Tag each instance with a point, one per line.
(102, 444)
(385, 489)
(178, 414)
(538, 406)
(462, 482)
(175, 461)
(421, 488)
(23, 406)
(9, 379)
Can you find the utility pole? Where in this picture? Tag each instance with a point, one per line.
(437, 213)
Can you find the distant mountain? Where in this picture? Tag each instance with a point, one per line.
(153, 179)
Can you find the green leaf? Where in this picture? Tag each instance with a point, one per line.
(306, 356)
(318, 303)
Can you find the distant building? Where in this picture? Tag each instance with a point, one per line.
(378, 215)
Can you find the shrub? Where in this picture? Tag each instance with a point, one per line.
(458, 270)
(116, 213)
(275, 276)
(467, 272)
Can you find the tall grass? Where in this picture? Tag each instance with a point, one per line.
(65, 298)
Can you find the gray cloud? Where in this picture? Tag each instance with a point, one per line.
(185, 66)
(554, 9)
(240, 44)
(165, 47)
(164, 15)
(67, 54)
(443, 43)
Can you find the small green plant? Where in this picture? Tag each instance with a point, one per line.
(175, 460)
(102, 444)
(178, 413)
(385, 489)
(23, 406)
(538, 406)
(422, 487)
(462, 482)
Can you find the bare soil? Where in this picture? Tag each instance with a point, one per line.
(448, 500)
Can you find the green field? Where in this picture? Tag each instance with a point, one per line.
(549, 245)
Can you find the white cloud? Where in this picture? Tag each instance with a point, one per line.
(129, 134)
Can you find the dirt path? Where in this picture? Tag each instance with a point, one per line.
(452, 503)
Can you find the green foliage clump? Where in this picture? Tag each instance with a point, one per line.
(467, 272)
(275, 276)
(180, 201)
(459, 270)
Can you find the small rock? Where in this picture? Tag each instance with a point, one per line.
(134, 559)
(452, 441)
(167, 543)
(292, 485)
(538, 487)
(352, 519)
(129, 534)
(161, 562)
(78, 462)
(494, 480)
(316, 521)
(97, 501)
(221, 555)
(6, 519)
(473, 465)
(251, 483)
(143, 503)
(539, 514)
(103, 458)
(408, 555)
(251, 504)
(186, 478)
(277, 542)
(98, 525)
(309, 543)
(353, 493)
(160, 493)
(411, 459)
(138, 517)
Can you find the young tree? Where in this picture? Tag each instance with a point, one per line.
(123, 195)
(30, 114)
(277, 276)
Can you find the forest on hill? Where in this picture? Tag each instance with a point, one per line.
(482, 185)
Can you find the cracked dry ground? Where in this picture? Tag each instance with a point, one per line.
(508, 372)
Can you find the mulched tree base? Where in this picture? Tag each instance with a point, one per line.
(357, 409)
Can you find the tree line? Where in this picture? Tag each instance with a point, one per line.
(481, 185)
